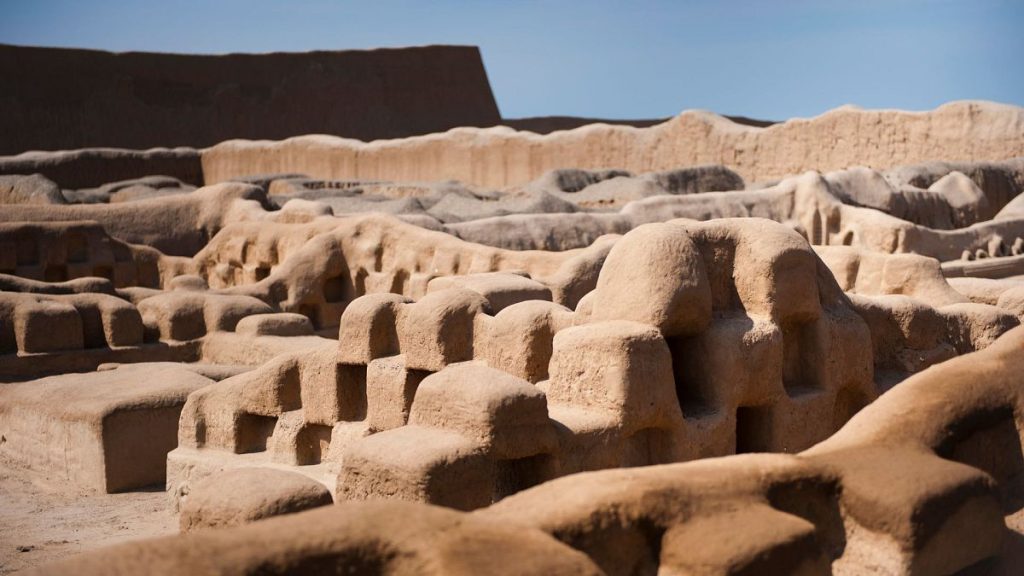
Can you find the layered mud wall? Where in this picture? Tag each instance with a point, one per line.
(501, 157)
(58, 99)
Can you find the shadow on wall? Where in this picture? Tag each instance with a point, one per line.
(58, 99)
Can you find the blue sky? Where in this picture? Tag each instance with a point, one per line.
(613, 59)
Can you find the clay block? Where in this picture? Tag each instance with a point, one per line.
(496, 410)
(623, 369)
(282, 324)
(174, 316)
(390, 388)
(223, 312)
(500, 289)
(438, 330)
(519, 338)
(187, 315)
(245, 495)
(417, 464)
(368, 328)
(47, 326)
(105, 431)
(661, 262)
(296, 442)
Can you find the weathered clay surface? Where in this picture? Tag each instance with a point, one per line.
(896, 491)
(108, 430)
(497, 157)
(624, 352)
(256, 493)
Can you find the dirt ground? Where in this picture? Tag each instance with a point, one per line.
(42, 520)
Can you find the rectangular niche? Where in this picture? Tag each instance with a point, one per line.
(252, 432)
(753, 429)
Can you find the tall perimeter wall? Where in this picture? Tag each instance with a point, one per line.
(59, 99)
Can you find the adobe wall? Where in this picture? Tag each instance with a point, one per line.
(500, 156)
(53, 99)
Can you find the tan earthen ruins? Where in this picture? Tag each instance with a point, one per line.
(696, 347)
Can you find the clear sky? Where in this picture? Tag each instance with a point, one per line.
(612, 59)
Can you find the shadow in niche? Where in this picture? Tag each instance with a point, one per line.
(312, 312)
(337, 289)
(104, 272)
(253, 432)
(694, 382)
(55, 273)
(848, 402)
(753, 429)
(513, 476)
(350, 382)
(312, 444)
(26, 253)
(801, 358)
(77, 248)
